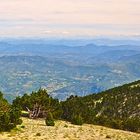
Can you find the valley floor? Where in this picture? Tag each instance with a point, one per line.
(37, 130)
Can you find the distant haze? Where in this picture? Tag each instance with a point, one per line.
(43, 18)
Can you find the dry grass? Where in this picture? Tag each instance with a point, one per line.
(37, 130)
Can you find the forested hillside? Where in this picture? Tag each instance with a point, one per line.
(118, 108)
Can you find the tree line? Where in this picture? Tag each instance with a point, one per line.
(117, 108)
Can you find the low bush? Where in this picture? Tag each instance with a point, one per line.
(49, 120)
(77, 120)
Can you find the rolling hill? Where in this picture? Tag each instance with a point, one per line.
(63, 69)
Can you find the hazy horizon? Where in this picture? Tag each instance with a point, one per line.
(65, 18)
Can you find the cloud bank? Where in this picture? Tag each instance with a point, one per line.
(69, 17)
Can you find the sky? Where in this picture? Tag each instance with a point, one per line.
(69, 18)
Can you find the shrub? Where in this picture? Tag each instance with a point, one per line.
(116, 123)
(22, 126)
(66, 125)
(19, 121)
(15, 114)
(5, 122)
(9, 115)
(39, 98)
(49, 120)
(77, 119)
(38, 134)
(107, 136)
(132, 124)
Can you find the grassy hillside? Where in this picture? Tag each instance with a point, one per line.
(37, 130)
(118, 108)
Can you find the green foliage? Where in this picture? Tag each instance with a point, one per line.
(15, 114)
(24, 114)
(132, 124)
(5, 124)
(117, 108)
(111, 108)
(43, 99)
(49, 120)
(9, 115)
(77, 120)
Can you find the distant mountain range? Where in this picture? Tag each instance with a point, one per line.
(27, 65)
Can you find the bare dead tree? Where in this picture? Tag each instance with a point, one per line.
(35, 112)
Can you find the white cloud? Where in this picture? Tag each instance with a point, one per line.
(48, 32)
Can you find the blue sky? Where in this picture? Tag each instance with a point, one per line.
(55, 18)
